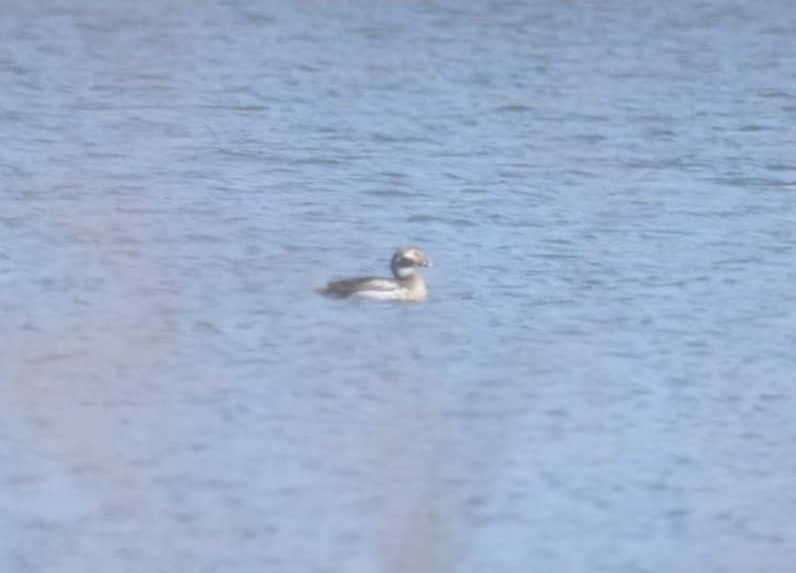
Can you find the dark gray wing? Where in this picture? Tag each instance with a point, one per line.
(347, 287)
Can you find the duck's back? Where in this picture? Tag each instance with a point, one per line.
(366, 287)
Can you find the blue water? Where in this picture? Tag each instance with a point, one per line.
(602, 378)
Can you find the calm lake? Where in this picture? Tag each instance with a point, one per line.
(602, 379)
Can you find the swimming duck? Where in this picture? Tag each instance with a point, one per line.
(407, 284)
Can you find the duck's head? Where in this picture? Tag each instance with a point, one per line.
(406, 260)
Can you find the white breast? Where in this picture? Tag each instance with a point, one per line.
(380, 289)
(394, 294)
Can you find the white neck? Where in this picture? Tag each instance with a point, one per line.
(403, 272)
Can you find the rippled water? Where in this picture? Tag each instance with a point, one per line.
(602, 379)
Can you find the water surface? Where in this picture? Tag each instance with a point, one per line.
(601, 380)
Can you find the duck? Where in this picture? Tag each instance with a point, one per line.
(407, 284)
